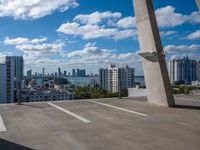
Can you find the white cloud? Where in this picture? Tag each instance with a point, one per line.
(22, 40)
(167, 33)
(182, 48)
(167, 17)
(194, 35)
(33, 9)
(34, 47)
(94, 31)
(97, 17)
(127, 22)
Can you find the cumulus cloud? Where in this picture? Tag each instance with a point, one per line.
(193, 36)
(33, 9)
(97, 25)
(167, 33)
(94, 31)
(97, 17)
(127, 22)
(34, 47)
(167, 17)
(182, 48)
(22, 40)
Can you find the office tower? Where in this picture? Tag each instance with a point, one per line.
(82, 73)
(103, 78)
(56, 74)
(73, 72)
(114, 79)
(43, 71)
(65, 73)
(78, 72)
(198, 70)
(59, 72)
(15, 73)
(182, 70)
(29, 74)
(3, 85)
(69, 74)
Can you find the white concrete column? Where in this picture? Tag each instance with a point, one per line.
(198, 3)
(154, 65)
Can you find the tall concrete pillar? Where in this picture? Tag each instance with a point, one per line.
(153, 59)
(198, 3)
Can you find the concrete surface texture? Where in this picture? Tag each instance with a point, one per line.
(126, 124)
(155, 70)
(198, 3)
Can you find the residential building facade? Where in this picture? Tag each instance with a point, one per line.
(114, 79)
(182, 70)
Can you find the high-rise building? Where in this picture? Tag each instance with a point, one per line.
(114, 79)
(15, 74)
(103, 78)
(182, 70)
(11, 76)
(65, 73)
(43, 71)
(82, 73)
(73, 72)
(29, 74)
(198, 70)
(3, 85)
(59, 72)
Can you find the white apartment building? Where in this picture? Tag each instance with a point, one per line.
(114, 79)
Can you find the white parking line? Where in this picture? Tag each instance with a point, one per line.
(69, 113)
(187, 99)
(2, 126)
(126, 110)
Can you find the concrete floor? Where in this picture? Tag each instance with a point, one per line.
(126, 124)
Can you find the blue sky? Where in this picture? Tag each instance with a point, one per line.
(91, 34)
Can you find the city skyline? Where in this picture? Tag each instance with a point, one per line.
(68, 42)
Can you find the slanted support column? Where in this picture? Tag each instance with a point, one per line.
(153, 59)
(198, 3)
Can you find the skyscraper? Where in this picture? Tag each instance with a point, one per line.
(29, 74)
(3, 85)
(114, 79)
(73, 72)
(59, 72)
(65, 73)
(198, 70)
(103, 78)
(15, 72)
(43, 71)
(11, 76)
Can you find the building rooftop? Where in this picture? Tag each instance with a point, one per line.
(103, 124)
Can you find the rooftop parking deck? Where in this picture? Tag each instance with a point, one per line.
(103, 124)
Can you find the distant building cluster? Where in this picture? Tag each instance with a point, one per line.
(184, 70)
(114, 79)
(46, 89)
(14, 86)
(60, 73)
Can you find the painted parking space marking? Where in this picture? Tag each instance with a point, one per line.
(2, 126)
(119, 108)
(69, 113)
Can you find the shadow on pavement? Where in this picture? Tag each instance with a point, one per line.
(188, 107)
(7, 145)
